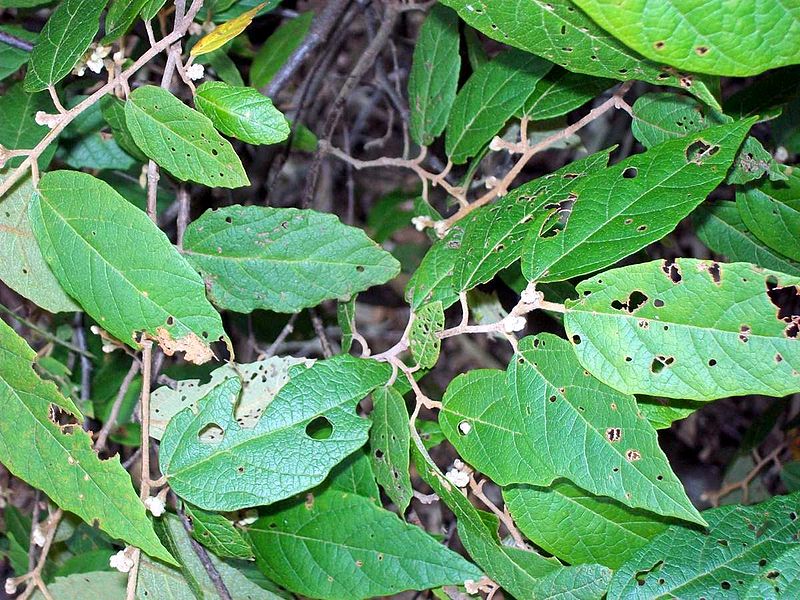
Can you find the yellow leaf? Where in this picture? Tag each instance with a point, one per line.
(225, 32)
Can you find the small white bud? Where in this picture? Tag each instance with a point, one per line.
(440, 227)
(195, 29)
(457, 478)
(781, 154)
(11, 586)
(43, 118)
(109, 348)
(490, 182)
(195, 72)
(422, 222)
(471, 586)
(38, 535)
(496, 144)
(121, 562)
(531, 296)
(155, 505)
(95, 329)
(514, 323)
(118, 56)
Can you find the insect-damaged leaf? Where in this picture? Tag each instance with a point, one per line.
(109, 256)
(746, 552)
(562, 33)
(60, 461)
(389, 441)
(369, 549)
(282, 259)
(547, 418)
(423, 339)
(772, 212)
(181, 140)
(689, 329)
(308, 428)
(737, 39)
(613, 212)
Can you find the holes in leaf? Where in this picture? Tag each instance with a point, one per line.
(634, 301)
(557, 221)
(240, 470)
(630, 173)
(787, 301)
(725, 585)
(671, 270)
(697, 152)
(701, 50)
(659, 45)
(576, 339)
(641, 228)
(170, 320)
(228, 220)
(659, 362)
(744, 333)
(658, 303)
(613, 434)
(360, 268)
(319, 428)
(464, 427)
(723, 543)
(378, 453)
(792, 516)
(778, 358)
(641, 576)
(552, 398)
(712, 363)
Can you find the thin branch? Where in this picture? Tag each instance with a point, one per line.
(285, 332)
(205, 560)
(111, 421)
(476, 487)
(743, 484)
(35, 576)
(15, 42)
(44, 333)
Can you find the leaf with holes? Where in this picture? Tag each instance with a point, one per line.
(389, 440)
(561, 91)
(433, 79)
(65, 38)
(224, 33)
(282, 259)
(523, 573)
(108, 255)
(371, 552)
(60, 460)
(308, 428)
(29, 274)
(690, 329)
(433, 279)
(181, 140)
(521, 427)
(746, 552)
(423, 338)
(614, 212)
(720, 227)
(600, 529)
(772, 212)
(492, 95)
(562, 33)
(241, 112)
(705, 36)
(278, 47)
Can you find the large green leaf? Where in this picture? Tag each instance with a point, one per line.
(523, 573)
(433, 279)
(181, 140)
(280, 456)
(277, 49)
(28, 274)
(18, 127)
(340, 546)
(561, 91)
(241, 112)
(565, 35)
(720, 227)
(746, 552)
(389, 441)
(282, 259)
(12, 58)
(65, 38)
(689, 329)
(492, 95)
(611, 213)
(548, 418)
(110, 257)
(113, 111)
(61, 461)
(599, 531)
(433, 79)
(719, 37)
(772, 212)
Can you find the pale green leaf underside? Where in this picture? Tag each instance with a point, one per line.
(63, 464)
(181, 140)
(282, 259)
(108, 585)
(423, 339)
(341, 546)
(560, 32)
(277, 458)
(241, 112)
(714, 333)
(123, 271)
(389, 440)
(346, 319)
(614, 212)
(548, 418)
(746, 548)
(719, 37)
(63, 41)
(772, 212)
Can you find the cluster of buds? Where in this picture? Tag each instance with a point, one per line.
(94, 60)
(458, 474)
(122, 561)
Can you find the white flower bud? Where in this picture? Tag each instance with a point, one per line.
(195, 72)
(457, 478)
(513, 323)
(496, 144)
(38, 535)
(155, 505)
(422, 222)
(11, 586)
(121, 562)
(531, 296)
(43, 118)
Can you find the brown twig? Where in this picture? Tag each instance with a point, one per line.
(743, 484)
(205, 559)
(35, 576)
(476, 487)
(111, 421)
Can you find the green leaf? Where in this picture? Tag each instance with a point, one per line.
(261, 381)
(599, 530)
(565, 35)
(521, 427)
(282, 259)
(370, 550)
(218, 534)
(181, 140)
(18, 127)
(277, 49)
(705, 36)
(120, 17)
(224, 66)
(354, 475)
(151, 9)
(423, 339)
(109, 585)
(117, 259)
(241, 112)
(492, 95)
(753, 162)
(772, 212)
(278, 457)
(28, 274)
(98, 152)
(663, 413)
(62, 463)
(12, 58)
(389, 440)
(113, 110)
(525, 574)
(612, 213)
(346, 318)
(434, 73)
(690, 329)
(744, 549)
(561, 91)
(63, 41)
(433, 279)
(720, 227)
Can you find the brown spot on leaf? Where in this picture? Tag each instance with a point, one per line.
(632, 455)
(613, 434)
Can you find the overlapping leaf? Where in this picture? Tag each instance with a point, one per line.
(772, 212)
(689, 329)
(218, 534)
(18, 127)
(389, 441)
(109, 256)
(109, 585)
(423, 338)
(282, 259)
(12, 58)
(561, 91)
(120, 18)
(224, 33)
